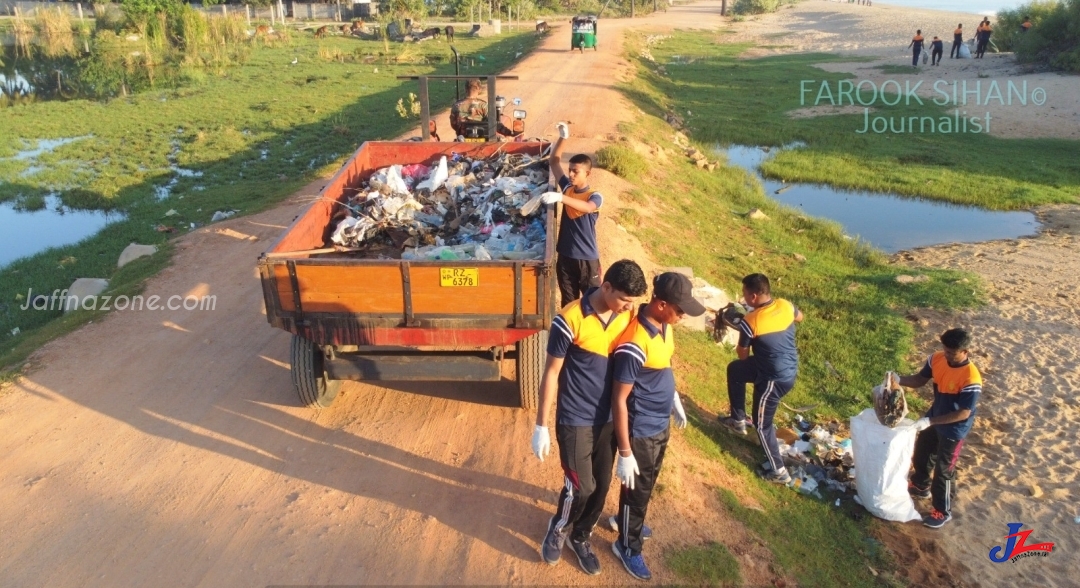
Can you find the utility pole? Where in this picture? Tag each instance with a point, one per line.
(631, 8)
(723, 8)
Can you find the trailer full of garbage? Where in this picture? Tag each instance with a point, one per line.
(461, 208)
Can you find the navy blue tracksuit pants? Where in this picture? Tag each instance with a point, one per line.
(767, 395)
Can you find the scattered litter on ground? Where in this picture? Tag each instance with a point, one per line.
(462, 208)
(221, 215)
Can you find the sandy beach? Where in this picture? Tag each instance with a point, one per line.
(1019, 463)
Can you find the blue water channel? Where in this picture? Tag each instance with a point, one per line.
(25, 233)
(890, 223)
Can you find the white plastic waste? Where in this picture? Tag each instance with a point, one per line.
(883, 457)
(395, 182)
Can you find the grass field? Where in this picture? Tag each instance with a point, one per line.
(252, 134)
(733, 100)
(854, 330)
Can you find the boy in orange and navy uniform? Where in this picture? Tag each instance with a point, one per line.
(957, 41)
(957, 385)
(768, 331)
(643, 398)
(578, 266)
(580, 342)
(916, 46)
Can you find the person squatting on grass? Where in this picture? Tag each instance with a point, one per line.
(916, 45)
(643, 398)
(957, 41)
(578, 266)
(581, 340)
(957, 385)
(769, 331)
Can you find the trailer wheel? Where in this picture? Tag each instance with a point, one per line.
(531, 355)
(309, 377)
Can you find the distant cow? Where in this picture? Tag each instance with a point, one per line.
(346, 29)
(320, 32)
(541, 27)
(449, 30)
(432, 33)
(262, 30)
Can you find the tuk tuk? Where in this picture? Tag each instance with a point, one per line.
(583, 33)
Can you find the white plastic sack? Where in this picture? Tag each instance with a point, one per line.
(882, 458)
(965, 51)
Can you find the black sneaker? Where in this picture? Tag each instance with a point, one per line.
(917, 492)
(646, 532)
(936, 519)
(585, 557)
(551, 550)
(733, 425)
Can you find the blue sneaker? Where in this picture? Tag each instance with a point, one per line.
(634, 564)
(551, 549)
(646, 532)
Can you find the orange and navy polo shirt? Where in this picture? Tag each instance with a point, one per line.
(643, 358)
(577, 230)
(585, 343)
(955, 388)
(769, 330)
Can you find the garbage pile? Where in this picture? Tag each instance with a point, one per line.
(460, 209)
(890, 404)
(816, 457)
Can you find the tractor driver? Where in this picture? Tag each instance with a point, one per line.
(473, 110)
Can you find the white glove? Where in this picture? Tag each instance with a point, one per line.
(678, 412)
(564, 130)
(541, 442)
(551, 197)
(922, 424)
(626, 468)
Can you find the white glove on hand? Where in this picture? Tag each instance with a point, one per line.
(922, 424)
(541, 442)
(678, 412)
(564, 130)
(626, 468)
(551, 197)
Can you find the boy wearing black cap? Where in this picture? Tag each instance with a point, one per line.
(642, 399)
(768, 330)
(957, 385)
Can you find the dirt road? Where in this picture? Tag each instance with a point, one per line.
(167, 448)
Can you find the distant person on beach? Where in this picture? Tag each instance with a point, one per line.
(957, 41)
(937, 48)
(917, 46)
(1027, 24)
(957, 385)
(982, 35)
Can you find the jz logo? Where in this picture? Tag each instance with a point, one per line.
(1015, 547)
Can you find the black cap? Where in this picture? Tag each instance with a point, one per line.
(675, 288)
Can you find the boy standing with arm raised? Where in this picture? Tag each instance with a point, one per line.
(578, 266)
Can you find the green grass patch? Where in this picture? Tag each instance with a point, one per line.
(710, 565)
(726, 100)
(622, 161)
(251, 134)
(891, 68)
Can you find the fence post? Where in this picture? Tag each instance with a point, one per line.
(247, 12)
(224, 10)
(78, 5)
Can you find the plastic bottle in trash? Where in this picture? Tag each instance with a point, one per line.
(448, 255)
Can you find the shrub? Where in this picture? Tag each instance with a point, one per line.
(622, 161)
(755, 6)
(1054, 38)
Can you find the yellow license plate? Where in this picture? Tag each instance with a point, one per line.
(459, 276)
(476, 139)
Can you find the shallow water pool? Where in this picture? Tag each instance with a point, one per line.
(890, 223)
(25, 233)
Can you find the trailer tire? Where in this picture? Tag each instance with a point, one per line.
(531, 356)
(309, 378)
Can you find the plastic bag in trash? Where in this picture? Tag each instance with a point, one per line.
(889, 401)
